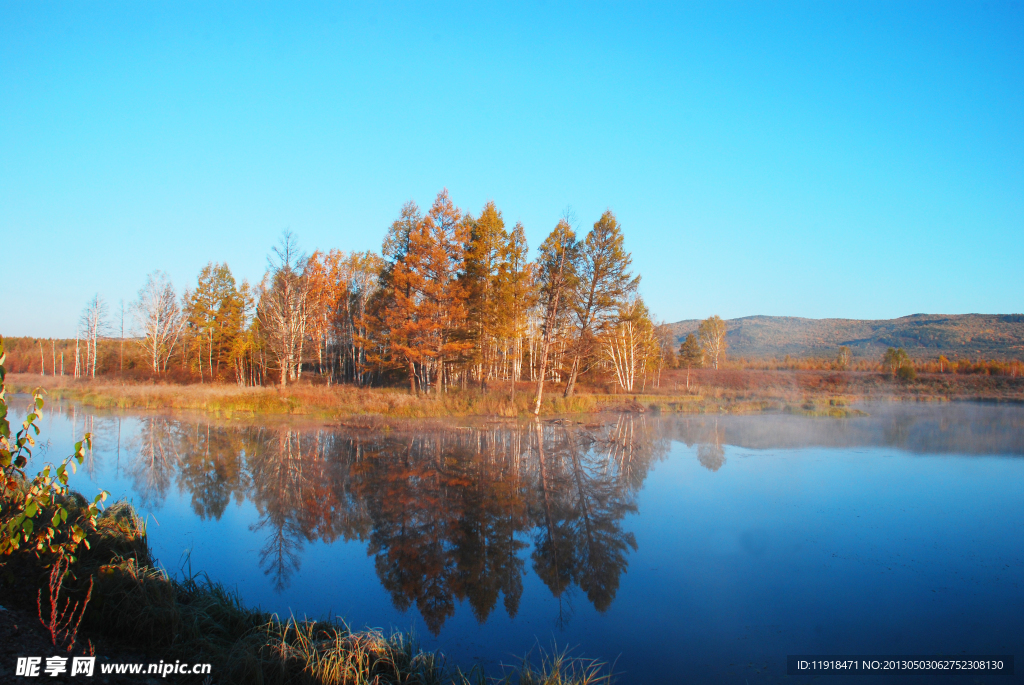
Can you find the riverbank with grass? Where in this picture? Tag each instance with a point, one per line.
(815, 393)
(134, 612)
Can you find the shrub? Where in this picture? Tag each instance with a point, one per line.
(41, 514)
(906, 372)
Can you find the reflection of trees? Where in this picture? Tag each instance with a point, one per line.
(280, 476)
(710, 452)
(156, 448)
(212, 470)
(707, 435)
(446, 512)
(588, 483)
(897, 429)
(446, 508)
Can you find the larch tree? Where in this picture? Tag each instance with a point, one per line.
(487, 241)
(556, 276)
(381, 339)
(604, 284)
(429, 301)
(690, 355)
(327, 290)
(712, 339)
(201, 319)
(516, 296)
(215, 318)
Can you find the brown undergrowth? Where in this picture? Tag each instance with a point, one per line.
(709, 391)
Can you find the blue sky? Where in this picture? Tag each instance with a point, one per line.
(860, 160)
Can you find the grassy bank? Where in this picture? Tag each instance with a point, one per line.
(136, 608)
(296, 400)
(817, 393)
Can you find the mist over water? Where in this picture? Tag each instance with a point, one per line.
(709, 547)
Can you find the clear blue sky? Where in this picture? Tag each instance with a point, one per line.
(813, 159)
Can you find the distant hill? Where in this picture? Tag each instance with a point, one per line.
(923, 336)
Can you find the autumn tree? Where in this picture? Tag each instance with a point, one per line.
(895, 359)
(690, 355)
(245, 348)
(325, 290)
(282, 309)
(556, 270)
(604, 283)
(516, 296)
(712, 339)
(158, 319)
(379, 340)
(629, 344)
(362, 271)
(667, 341)
(484, 255)
(428, 309)
(843, 358)
(340, 285)
(215, 314)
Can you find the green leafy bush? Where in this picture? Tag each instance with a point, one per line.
(39, 514)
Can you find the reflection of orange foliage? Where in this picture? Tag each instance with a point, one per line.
(445, 513)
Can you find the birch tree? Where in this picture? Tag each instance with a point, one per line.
(712, 339)
(93, 326)
(158, 320)
(282, 310)
(629, 345)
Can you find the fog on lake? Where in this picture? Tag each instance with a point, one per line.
(717, 544)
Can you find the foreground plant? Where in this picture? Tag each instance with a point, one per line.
(34, 512)
(62, 623)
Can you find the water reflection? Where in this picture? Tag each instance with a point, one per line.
(455, 514)
(765, 535)
(446, 513)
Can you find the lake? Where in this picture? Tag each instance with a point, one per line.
(681, 548)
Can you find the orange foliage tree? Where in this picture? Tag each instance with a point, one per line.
(426, 320)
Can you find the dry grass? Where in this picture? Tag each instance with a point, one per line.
(137, 606)
(319, 402)
(726, 390)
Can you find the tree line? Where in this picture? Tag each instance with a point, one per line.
(452, 300)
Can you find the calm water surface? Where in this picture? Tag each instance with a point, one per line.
(707, 548)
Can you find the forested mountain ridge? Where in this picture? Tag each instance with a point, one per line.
(923, 336)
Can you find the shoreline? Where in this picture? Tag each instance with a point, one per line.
(140, 614)
(729, 391)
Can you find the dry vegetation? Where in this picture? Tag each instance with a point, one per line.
(136, 607)
(724, 390)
